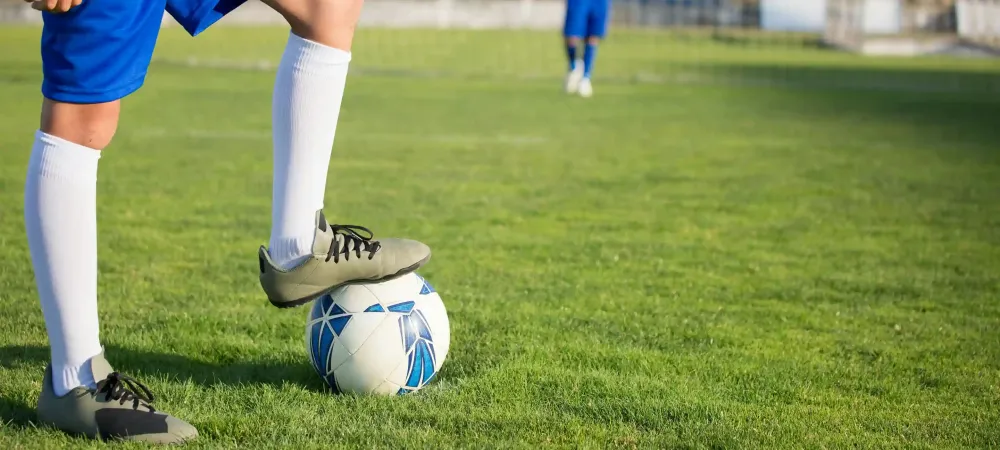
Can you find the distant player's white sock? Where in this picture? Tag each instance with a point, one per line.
(306, 105)
(60, 214)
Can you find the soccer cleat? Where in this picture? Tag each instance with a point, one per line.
(573, 79)
(586, 90)
(342, 254)
(119, 408)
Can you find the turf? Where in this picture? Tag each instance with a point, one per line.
(732, 245)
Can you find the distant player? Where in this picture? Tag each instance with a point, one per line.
(94, 53)
(586, 21)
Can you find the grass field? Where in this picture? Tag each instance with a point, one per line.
(730, 246)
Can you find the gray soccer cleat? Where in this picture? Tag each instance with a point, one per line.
(342, 254)
(119, 408)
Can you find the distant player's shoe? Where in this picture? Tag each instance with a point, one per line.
(119, 408)
(573, 79)
(586, 90)
(342, 254)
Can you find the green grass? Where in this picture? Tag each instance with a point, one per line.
(729, 246)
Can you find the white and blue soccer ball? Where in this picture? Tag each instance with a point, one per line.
(383, 338)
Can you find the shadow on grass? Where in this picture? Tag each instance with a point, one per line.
(754, 38)
(235, 372)
(861, 75)
(180, 367)
(14, 412)
(941, 107)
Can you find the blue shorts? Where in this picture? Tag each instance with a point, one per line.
(100, 51)
(586, 18)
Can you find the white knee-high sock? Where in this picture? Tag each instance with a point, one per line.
(308, 91)
(60, 214)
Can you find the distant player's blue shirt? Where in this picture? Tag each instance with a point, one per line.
(587, 18)
(100, 50)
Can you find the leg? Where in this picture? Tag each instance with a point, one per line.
(572, 83)
(589, 55)
(597, 21)
(307, 256)
(597, 27)
(328, 23)
(574, 28)
(308, 91)
(86, 71)
(586, 88)
(90, 125)
(61, 189)
(572, 44)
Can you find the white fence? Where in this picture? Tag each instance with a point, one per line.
(976, 20)
(979, 20)
(474, 14)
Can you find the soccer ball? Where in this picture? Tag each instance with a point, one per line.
(383, 338)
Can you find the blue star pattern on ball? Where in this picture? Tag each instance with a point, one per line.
(418, 343)
(328, 320)
(427, 288)
(419, 347)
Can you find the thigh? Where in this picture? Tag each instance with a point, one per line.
(576, 18)
(328, 22)
(197, 15)
(100, 50)
(597, 18)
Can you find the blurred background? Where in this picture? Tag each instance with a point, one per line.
(776, 223)
(653, 41)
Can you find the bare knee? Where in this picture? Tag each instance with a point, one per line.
(90, 125)
(593, 40)
(328, 22)
(572, 41)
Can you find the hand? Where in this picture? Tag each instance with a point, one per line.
(53, 6)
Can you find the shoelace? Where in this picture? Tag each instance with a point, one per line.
(124, 388)
(359, 236)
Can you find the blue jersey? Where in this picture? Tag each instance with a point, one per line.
(100, 50)
(587, 18)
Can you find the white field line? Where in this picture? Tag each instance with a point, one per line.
(253, 135)
(881, 83)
